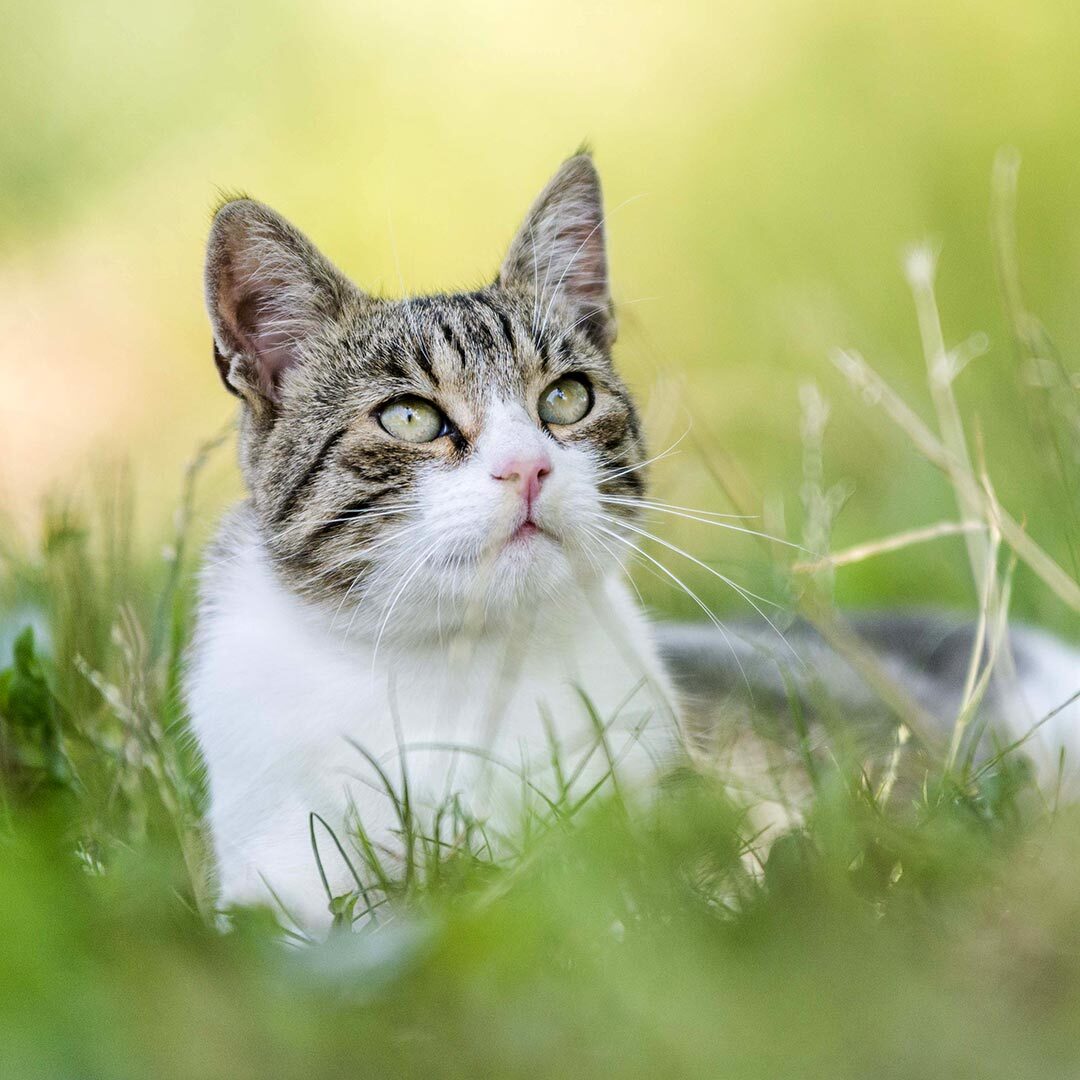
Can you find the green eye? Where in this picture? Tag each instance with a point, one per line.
(565, 401)
(412, 419)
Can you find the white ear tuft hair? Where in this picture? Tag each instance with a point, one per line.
(559, 252)
(269, 292)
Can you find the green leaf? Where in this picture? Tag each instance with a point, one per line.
(343, 908)
(25, 698)
(29, 706)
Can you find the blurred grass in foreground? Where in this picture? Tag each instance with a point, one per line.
(916, 939)
(908, 938)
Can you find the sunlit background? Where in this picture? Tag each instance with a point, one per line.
(765, 166)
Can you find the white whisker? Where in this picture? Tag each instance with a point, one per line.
(688, 591)
(618, 562)
(347, 516)
(746, 594)
(363, 556)
(659, 504)
(609, 476)
(597, 311)
(413, 571)
(693, 516)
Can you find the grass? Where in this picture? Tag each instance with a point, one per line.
(887, 930)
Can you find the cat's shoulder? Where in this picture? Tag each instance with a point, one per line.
(239, 592)
(236, 534)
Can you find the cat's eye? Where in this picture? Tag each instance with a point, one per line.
(412, 419)
(565, 401)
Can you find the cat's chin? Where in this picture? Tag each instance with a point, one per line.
(525, 574)
(534, 566)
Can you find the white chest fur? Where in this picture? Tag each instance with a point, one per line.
(280, 703)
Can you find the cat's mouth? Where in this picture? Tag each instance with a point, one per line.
(527, 531)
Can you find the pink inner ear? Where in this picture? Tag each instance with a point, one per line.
(276, 352)
(579, 278)
(586, 266)
(260, 334)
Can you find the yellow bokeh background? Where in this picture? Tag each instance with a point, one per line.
(765, 166)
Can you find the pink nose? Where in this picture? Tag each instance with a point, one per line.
(527, 472)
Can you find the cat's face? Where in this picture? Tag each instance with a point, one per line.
(419, 464)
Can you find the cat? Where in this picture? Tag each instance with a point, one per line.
(431, 549)
(429, 567)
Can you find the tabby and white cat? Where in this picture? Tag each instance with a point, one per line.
(429, 565)
(431, 549)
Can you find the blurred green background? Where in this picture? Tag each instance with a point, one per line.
(765, 166)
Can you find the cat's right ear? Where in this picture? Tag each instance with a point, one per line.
(269, 292)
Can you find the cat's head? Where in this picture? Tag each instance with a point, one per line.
(413, 463)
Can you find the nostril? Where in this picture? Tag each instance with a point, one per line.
(531, 472)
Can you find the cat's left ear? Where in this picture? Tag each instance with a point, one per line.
(559, 252)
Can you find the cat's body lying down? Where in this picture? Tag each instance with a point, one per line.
(287, 706)
(443, 492)
(747, 680)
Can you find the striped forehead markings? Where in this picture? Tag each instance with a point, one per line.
(423, 358)
(506, 325)
(446, 338)
(450, 339)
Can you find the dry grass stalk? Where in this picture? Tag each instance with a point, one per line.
(876, 391)
(897, 542)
